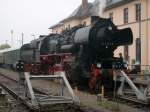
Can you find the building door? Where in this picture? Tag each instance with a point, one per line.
(138, 50)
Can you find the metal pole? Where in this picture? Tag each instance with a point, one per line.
(33, 36)
(6, 41)
(62, 87)
(33, 98)
(140, 29)
(22, 38)
(147, 29)
(12, 38)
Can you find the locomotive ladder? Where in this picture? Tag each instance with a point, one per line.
(45, 99)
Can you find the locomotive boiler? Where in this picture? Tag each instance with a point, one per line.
(82, 51)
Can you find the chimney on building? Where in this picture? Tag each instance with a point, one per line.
(84, 7)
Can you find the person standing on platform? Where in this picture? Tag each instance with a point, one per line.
(121, 57)
(20, 69)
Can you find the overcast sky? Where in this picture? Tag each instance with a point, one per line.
(32, 17)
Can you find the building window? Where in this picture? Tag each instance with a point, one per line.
(138, 12)
(138, 50)
(68, 26)
(111, 16)
(126, 53)
(125, 15)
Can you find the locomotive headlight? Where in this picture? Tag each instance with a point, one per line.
(99, 65)
(110, 28)
(44, 58)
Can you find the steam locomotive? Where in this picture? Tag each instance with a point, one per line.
(85, 53)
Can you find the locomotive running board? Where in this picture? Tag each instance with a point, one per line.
(45, 99)
(124, 78)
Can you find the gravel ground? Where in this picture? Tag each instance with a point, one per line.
(85, 98)
(9, 104)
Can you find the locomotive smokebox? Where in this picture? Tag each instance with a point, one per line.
(108, 36)
(104, 33)
(123, 37)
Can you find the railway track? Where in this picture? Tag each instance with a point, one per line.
(11, 86)
(144, 107)
(132, 102)
(10, 104)
(67, 107)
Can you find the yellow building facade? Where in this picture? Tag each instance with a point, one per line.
(140, 28)
(134, 14)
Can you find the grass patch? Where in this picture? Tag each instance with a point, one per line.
(114, 107)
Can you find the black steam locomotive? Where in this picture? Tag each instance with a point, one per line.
(82, 51)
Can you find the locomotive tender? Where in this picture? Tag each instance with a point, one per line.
(82, 51)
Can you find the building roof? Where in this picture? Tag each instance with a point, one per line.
(77, 14)
(9, 49)
(115, 3)
(56, 25)
(93, 9)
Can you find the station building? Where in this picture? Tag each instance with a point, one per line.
(124, 13)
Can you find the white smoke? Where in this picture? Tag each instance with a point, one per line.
(100, 6)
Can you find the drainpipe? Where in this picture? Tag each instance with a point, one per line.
(140, 25)
(148, 53)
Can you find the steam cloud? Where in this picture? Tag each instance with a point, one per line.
(101, 4)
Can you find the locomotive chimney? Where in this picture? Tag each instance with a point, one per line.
(94, 19)
(84, 7)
